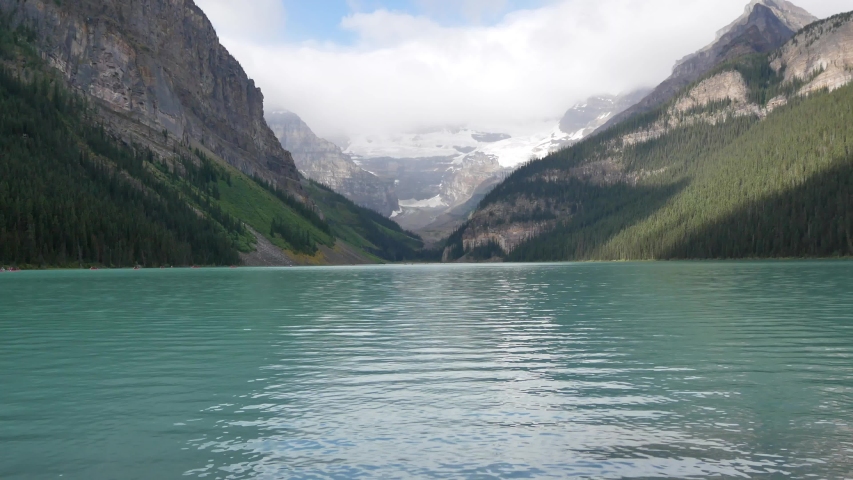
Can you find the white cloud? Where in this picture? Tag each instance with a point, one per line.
(252, 20)
(472, 9)
(408, 72)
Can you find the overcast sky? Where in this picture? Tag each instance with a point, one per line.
(351, 67)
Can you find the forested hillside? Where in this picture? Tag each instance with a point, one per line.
(73, 194)
(367, 229)
(761, 172)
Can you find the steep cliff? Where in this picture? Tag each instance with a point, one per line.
(765, 26)
(324, 162)
(161, 77)
(822, 54)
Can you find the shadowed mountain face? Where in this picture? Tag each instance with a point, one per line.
(765, 26)
(324, 162)
(160, 77)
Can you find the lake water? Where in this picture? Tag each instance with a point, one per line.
(659, 370)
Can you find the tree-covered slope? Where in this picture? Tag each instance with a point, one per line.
(71, 195)
(783, 188)
(74, 194)
(367, 229)
(739, 164)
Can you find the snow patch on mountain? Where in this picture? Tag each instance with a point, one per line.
(510, 151)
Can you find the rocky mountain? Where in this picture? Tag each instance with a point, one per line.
(751, 159)
(326, 163)
(441, 175)
(822, 53)
(765, 26)
(584, 118)
(160, 77)
(132, 137)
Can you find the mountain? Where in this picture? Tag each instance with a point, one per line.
(441, 175)
(160, 76)
(129, 135)
(765, 26)
(324, 162)
(584, 118)
(753, 159)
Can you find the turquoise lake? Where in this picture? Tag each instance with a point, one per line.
(605, 371)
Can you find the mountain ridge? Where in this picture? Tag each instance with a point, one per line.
(130, 136)
(723, 130)
(764, 26)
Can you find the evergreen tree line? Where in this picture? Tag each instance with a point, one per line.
(390, 241)
(72, 194)
(300, 240)
(780, 187)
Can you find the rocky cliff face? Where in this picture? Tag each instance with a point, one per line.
(324, 162)
(765, 26)
(821, 54)
(155, 66)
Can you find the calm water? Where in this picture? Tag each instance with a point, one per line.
(682, 370)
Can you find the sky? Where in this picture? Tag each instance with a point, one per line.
(361, 67)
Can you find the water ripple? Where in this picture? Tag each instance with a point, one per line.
(681, 370)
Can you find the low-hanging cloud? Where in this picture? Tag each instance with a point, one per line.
(259, 20)
(406, 72)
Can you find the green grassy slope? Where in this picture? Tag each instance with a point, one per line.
(366, 229)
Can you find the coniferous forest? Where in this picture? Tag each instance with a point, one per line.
(740, 188)
(74, 195)
(71, 194)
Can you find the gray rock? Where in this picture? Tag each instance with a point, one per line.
(324, 162)
(765, 26)
(154, 65)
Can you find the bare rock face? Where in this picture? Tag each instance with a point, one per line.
(155, 66)
(765, 26)
(821, 55)
(464, 179)
(725, 86)
(324, 162)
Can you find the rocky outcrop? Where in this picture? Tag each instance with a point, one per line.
(158, 73)
(821, 54)
(765, 26)
(727, 86)
(464, 179)
(324, 162)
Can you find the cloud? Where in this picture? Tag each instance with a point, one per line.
(255, 20)
(409, 72)
(472, 9)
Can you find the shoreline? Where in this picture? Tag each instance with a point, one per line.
(94, 268)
